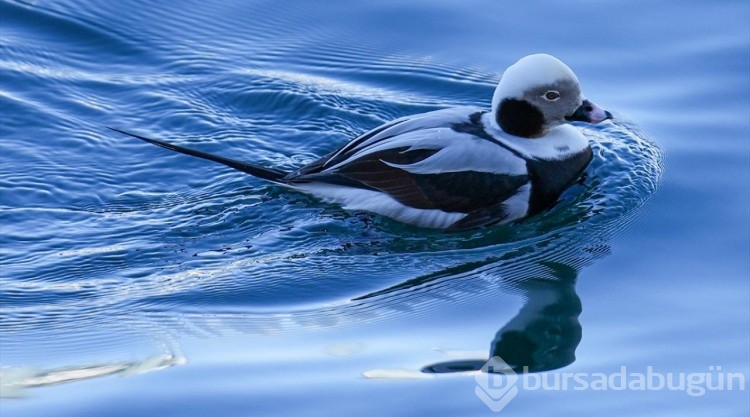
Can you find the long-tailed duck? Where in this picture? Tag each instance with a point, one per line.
(457, 168)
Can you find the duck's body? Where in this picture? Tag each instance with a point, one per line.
(457, 168)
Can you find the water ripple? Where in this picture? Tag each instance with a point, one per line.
(107, 241)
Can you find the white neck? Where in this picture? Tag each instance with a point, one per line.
(558, 143)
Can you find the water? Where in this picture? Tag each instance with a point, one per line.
(136, 281)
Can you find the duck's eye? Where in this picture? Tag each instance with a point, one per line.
(552, 95)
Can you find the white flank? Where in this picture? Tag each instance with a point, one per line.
(517, 206)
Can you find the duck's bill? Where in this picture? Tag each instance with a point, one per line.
(589, 112)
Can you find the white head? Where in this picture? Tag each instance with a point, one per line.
(540, 92)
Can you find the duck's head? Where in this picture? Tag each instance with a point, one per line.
(538, 93)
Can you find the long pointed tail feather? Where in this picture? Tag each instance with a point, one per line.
(269, 174)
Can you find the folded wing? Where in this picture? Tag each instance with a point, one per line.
(429, 163)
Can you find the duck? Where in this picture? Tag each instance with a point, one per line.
(457, 168)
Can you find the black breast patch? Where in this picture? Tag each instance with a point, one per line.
(550, 178)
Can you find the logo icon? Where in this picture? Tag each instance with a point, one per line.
(496, 384)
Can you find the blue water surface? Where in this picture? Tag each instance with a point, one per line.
(136, 281)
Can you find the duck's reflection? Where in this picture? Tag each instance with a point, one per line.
(543, 335)
(545, 332)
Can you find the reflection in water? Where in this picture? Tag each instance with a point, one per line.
(543, 335)
(14, 381)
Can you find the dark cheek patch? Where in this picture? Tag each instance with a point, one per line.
(520, 118)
